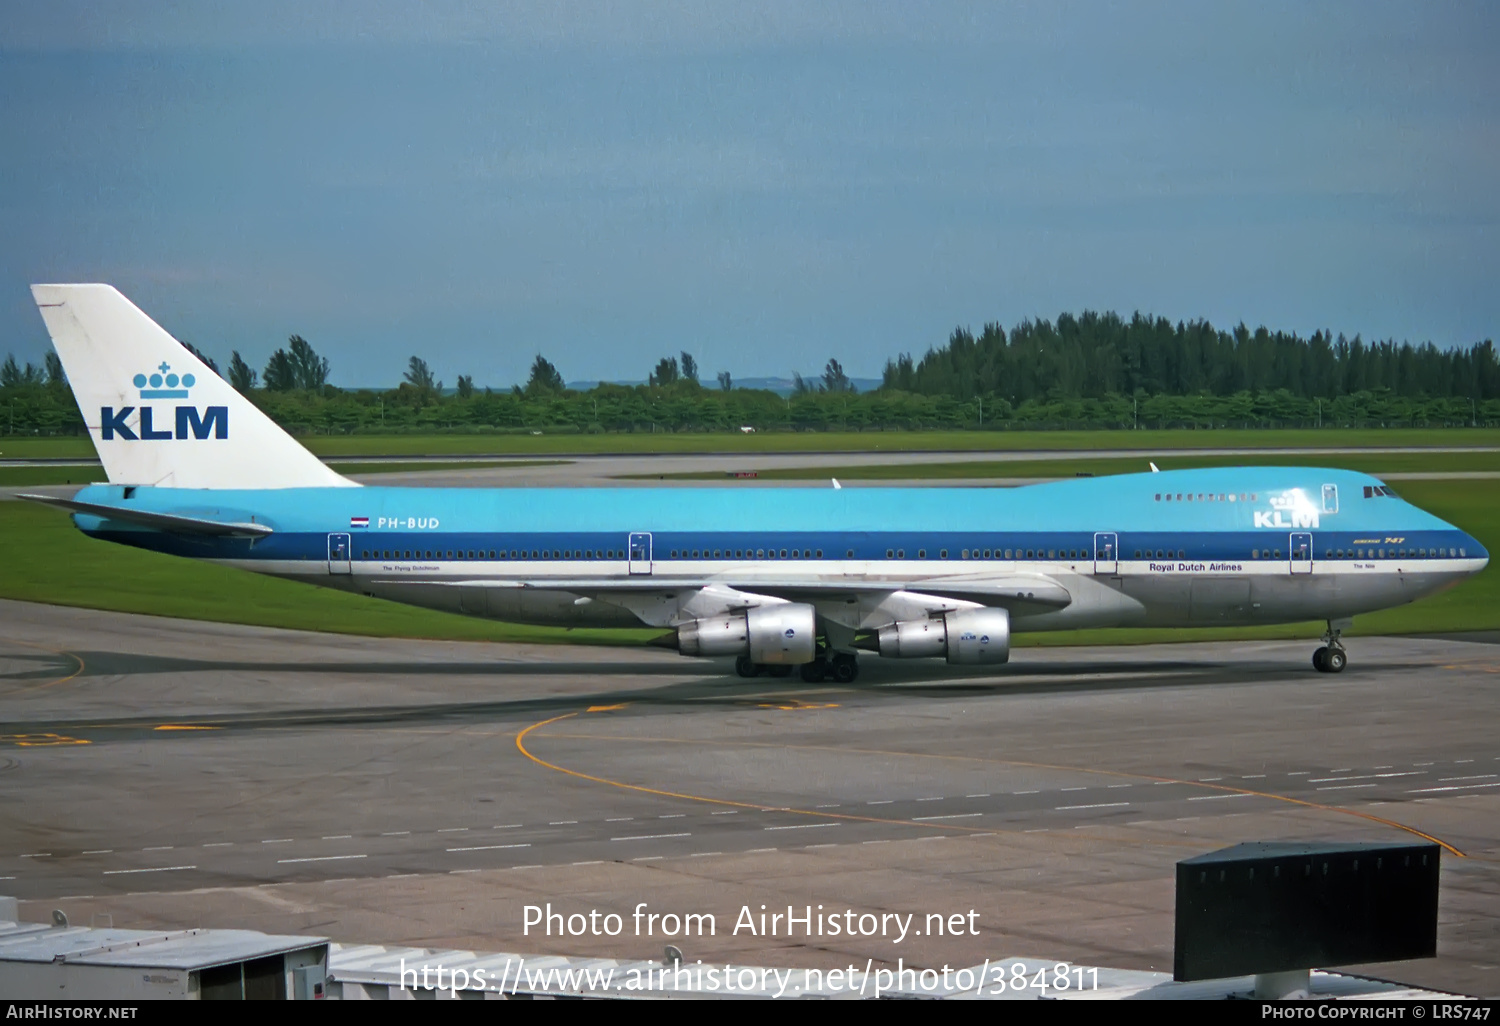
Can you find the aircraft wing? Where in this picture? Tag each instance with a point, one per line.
(1017, 592)
(173, 523)
(1020, 593)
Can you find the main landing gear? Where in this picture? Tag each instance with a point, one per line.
(843, 667)
(1331, 658)
(745, 667)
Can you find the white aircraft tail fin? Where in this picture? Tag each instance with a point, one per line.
(157, 414)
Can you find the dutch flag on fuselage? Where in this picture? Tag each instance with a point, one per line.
(359, 521)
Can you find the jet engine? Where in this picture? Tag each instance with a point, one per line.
(968, 637)
(781, 634)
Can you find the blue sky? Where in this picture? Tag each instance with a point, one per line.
(764, 185)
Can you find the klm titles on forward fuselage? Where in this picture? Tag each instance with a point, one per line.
(1299, 518)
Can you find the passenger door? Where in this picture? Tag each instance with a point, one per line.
(338, 554)
(1300, 548)
(1106, 553)
(640, 552)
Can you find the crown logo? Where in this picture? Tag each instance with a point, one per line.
(163, 384)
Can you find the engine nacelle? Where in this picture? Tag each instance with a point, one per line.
(780, 634)
(914, 639)
(967, 637)
(784, 633)
(714, 636)
(978, 636)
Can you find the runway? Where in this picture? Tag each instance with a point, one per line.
(182, 774)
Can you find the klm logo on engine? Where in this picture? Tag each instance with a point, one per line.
(1288, 510)
(185, 421)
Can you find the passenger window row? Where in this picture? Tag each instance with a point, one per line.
(747, 554)
(1395, 553)
(1207, 497)
(1025, 554)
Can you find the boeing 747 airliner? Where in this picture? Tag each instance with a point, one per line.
(778, 578)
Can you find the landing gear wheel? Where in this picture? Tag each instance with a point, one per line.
(814, 671)
(1331, 658)
(779, 671)
(746, 667)
(845, 668)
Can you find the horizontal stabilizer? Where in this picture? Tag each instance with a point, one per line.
(169, 522)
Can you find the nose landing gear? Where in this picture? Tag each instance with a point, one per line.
(1331, 658)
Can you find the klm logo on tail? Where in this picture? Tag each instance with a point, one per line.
(213, 422)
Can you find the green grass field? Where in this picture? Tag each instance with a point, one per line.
(15, 477)
(1372, 463)
(45, 559)
(786, 441)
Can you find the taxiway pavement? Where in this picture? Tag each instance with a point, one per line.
(175, 773)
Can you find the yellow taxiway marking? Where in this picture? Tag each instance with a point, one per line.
(796, 705)
(41, 740)
(184, 726)
(759, 807)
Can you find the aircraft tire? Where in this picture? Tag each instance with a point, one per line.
(779, 671)
(1320, 660)
(1335, 661)
(745, 667)
(814, 671)
(845, 668)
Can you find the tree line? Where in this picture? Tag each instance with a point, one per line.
(1098, 355)
(1088, 371)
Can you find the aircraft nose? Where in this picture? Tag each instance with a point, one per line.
(1470, 549)
(1477, 551)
